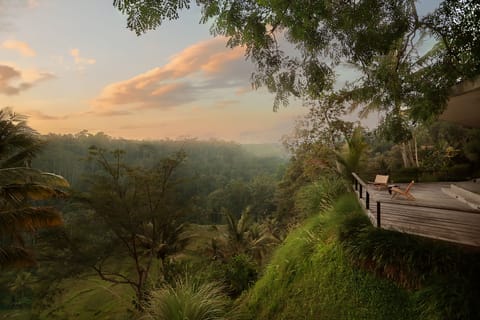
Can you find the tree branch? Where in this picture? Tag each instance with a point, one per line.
(107, 276)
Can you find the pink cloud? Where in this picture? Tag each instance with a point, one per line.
(209, 56)
(81, 62)
(32, 4)
(222, 104)
(21, 47)
(14, 81)
(39, 115)
(170, 85)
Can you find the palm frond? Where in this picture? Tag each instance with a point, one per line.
(20, 192)
(23, 175)
(29, 219)
(352, 151)
(245, 221)
(20, 157)
(18, 142)
(231, 224)
(13, 256)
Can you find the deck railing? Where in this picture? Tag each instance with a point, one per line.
(359, 185)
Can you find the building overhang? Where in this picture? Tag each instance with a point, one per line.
(464, 104)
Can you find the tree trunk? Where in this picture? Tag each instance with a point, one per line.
(404, 155)
(416, 151)
(411, 155)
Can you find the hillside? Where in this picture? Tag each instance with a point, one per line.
(336, 266)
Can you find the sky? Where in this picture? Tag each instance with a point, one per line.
(73, 66)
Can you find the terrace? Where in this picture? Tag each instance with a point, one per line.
(441, 210)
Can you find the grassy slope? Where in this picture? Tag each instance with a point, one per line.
(83, 299)
(315, 274)
(310, 277)
(90, 298)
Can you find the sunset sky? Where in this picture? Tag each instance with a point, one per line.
(73, 65)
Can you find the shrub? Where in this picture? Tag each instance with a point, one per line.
(189, 299)
(240, 274)
(320, 195)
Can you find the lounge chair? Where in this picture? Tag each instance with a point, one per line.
(380, 181)
(406, 193)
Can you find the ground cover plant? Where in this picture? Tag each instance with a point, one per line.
(336, 265)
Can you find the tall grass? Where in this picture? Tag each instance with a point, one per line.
(320, 195)
(192, 300)
(443, 277)
(310, 277)
(336, 265)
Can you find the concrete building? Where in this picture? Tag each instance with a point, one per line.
(464, 104)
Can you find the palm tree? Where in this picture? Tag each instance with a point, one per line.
(19, 143)
(351, 154)
(20, 187)
(244, 236)
(21, 286)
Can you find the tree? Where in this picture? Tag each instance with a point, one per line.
(326, 34)
(20, 188)
(455, 23)
(141, 214)
(350, 156)
(19, 143)
(382, 40)
(244, 236)
(18, 214)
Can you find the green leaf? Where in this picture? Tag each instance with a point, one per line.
(13, 256)
(23, 175)
(29, 219)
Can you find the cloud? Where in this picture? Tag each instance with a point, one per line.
(21, 47)
(109, 113)
(192, 72)
(39, 115)
(9, 12)
(243, 90)
(80, 61)
(13, 81)
(137, 95)
(222, 104)
(137, 126)
(209, 56)
(32, 4)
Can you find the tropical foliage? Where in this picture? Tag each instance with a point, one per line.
(140, 213)
(189, 299)
(352, 153)
(244, 236)
(19, 143)
(20, 187)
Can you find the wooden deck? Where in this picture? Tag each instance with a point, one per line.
(432, 214)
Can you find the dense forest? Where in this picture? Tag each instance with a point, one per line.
(214, 174)
(136, 200)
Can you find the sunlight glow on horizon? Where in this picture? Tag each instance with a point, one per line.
(168, 83)
(73, 66)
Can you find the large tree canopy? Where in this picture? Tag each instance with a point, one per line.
(381, 39)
